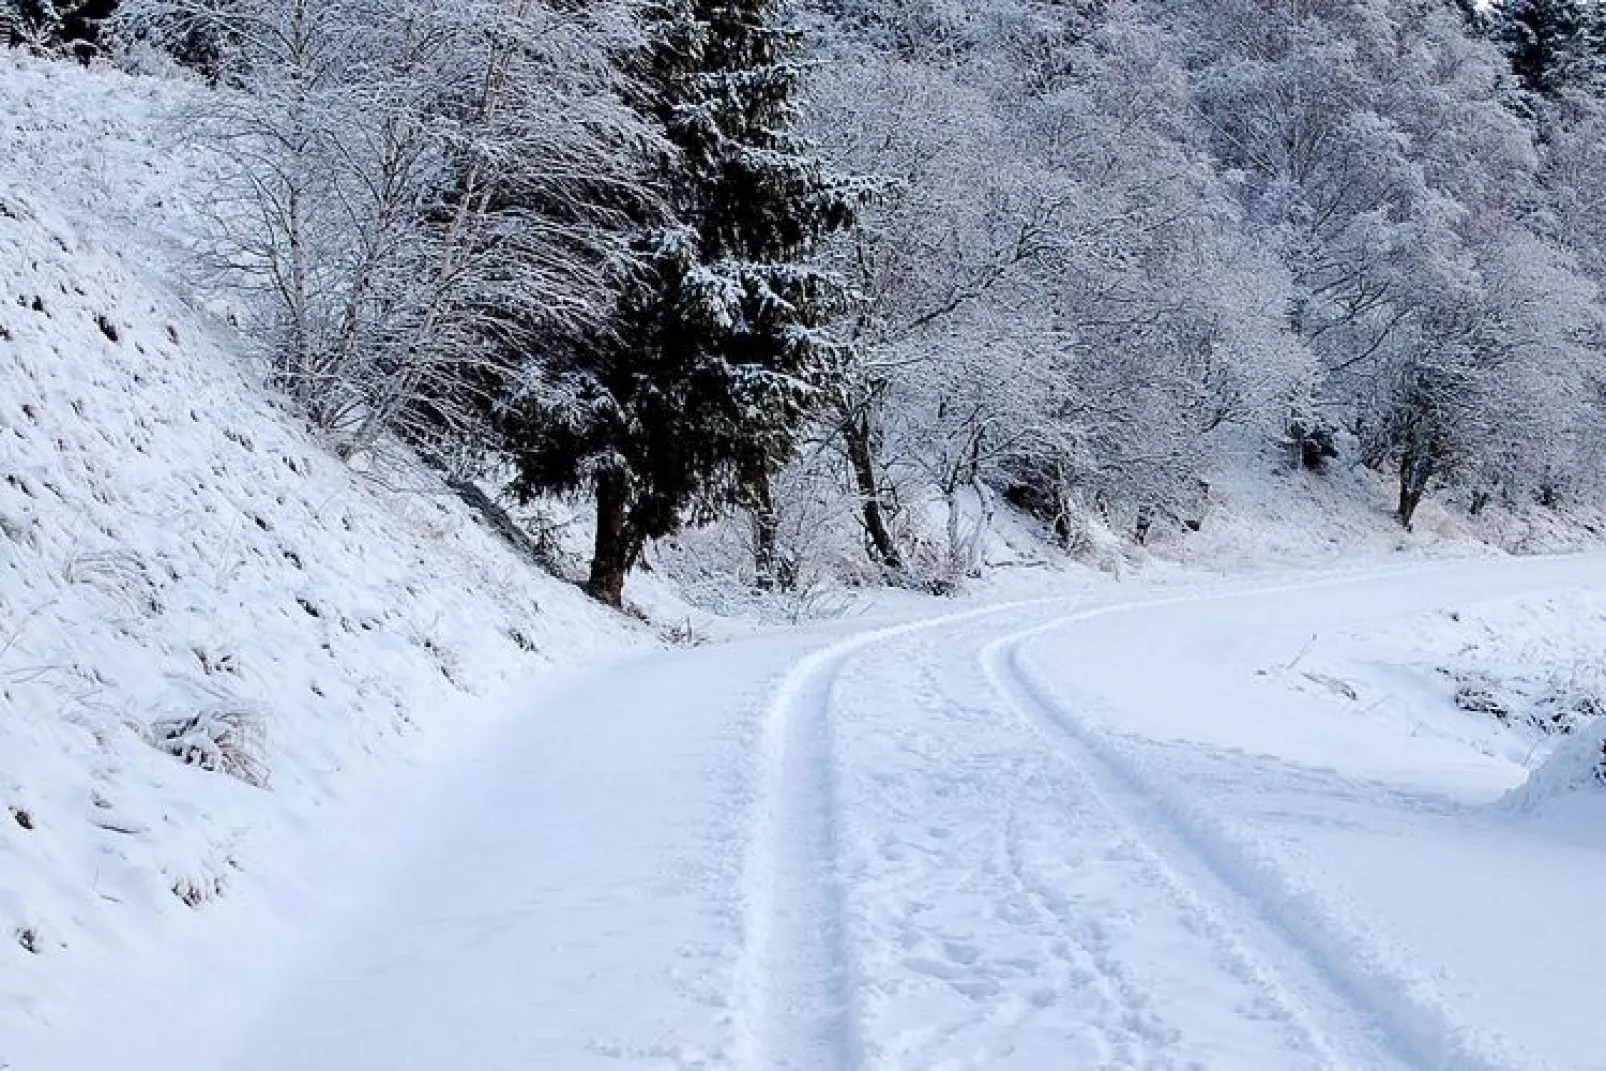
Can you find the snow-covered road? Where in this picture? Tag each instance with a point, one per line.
(1070, 833)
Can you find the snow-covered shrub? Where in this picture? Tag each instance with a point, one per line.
(1572, 694)
(381, 301)
(119, 574)
(1481, 694)
(228, 738)
(1557, 697)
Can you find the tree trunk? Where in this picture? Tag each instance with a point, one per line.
(956, 554)
(856, 435)
(984, 523)
(1415, 471)
(768, 571)
(615, 549)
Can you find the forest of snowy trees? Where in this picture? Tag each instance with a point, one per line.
(693, 258)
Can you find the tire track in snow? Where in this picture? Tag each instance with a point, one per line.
(793, 1000)
(792, 1004)
(1357, 1007)
(792, 996)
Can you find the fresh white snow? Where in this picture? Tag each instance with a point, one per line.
(1097, 830)
(1282, 820)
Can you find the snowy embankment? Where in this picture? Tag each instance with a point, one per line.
(190, 586)
(1521, 680)
(1508, 677)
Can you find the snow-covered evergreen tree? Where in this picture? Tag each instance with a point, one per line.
(1553, 45)
(44, 24)
(719, 348)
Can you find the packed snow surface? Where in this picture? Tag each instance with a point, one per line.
(1111, 828)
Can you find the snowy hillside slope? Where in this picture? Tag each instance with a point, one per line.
(186, 575)
(1257, 518)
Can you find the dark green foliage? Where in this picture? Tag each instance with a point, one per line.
(1553, 45)
(77, 24)
(717, 349)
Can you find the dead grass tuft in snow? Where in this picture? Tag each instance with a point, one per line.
(1552, 694)
(119, 574)
(225, 739)
(683, 634)
(197, 891)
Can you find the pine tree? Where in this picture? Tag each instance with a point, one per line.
(74, 23)
(718, 348)
(1552, 45)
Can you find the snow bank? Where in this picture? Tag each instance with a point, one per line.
(190, 586)
(1511, 677)
(1578, 764)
